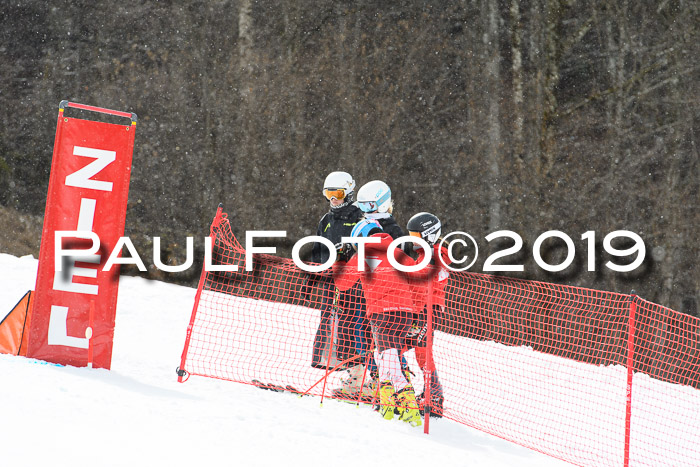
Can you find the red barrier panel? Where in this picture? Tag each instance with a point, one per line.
(546, 366)
(88, 191)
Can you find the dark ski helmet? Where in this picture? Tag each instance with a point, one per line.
(426, 226)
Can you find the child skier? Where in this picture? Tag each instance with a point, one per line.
(389, 301)
(375, 201)
(344, 309)
(428, 227)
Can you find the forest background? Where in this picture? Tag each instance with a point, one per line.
(529, 116)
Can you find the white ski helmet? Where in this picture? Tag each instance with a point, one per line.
(338, 185)
(374, 196)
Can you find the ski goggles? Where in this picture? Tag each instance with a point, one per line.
(337, 193)
(431, 235)
(367, 206)
(371, 206)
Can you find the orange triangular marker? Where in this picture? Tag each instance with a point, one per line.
(14, 328)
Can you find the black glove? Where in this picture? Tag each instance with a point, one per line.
(345, 251)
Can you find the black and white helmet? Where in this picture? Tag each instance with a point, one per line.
(426, 226)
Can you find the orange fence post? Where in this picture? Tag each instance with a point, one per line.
(630, 376)
(428, 359)
(181, 372)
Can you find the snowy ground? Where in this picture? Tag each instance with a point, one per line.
(137, 414)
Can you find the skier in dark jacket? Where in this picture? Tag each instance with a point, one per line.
(337, 338)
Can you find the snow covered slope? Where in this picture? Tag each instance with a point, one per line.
(137, 414)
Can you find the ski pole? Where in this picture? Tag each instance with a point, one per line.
(334, 314)
(329, 372)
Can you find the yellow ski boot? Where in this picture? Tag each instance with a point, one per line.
(387, 400)
(408, 406)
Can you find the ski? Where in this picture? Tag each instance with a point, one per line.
(337, 394)
(275, 387)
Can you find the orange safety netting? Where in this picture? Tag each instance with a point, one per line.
(542, 365)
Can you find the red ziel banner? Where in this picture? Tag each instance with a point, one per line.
(74, 308)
